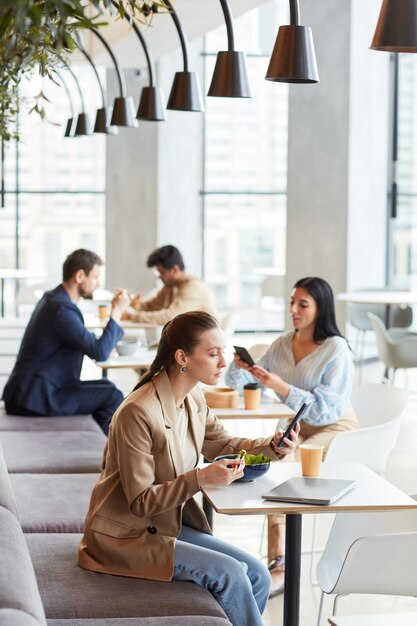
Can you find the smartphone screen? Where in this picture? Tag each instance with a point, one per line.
(244, 355)
(294, 421)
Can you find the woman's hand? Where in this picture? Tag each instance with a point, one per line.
(290, 443)
(240, 363)
(270, 380)
(221, 472)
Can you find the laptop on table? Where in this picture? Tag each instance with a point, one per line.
(321, 491)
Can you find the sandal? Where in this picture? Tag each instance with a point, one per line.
(277, 563)
(281, 583)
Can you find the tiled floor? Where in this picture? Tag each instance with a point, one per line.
(247, 532)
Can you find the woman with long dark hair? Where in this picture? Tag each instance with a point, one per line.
(312, 362)
(143, 520)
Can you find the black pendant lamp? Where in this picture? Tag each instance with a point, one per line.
(293, 58)
(152, 103)
(82, 122)
(123, 107)
(230, 76)
(70, 125)
(396, 29)
(185, 92)
(103, 115)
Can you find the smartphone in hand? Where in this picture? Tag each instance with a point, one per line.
(293, 423)
(244, 355)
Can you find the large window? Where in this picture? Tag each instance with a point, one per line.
(403, 205)
(245, 180)
(53, 190)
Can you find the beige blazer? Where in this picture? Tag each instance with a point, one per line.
(143, 496)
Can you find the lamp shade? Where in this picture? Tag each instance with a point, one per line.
(83, 125)
(185, 93)
(123, 112)
(151, 105)
(396, 30)
(102, 123)
(230, 76)
(293, 58)
(69, 128)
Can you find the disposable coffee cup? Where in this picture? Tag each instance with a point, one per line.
(252, 396)
(103, 311)
(311, 458)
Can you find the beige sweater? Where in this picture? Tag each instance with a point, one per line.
(189, 295)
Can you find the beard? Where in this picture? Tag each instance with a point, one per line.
(83, 293)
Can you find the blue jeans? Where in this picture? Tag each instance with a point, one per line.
(238, 581)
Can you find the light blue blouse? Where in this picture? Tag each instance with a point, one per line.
(325, 376)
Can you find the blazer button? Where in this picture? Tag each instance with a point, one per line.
(152, 530)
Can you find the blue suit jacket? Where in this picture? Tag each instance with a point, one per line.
(51, 355)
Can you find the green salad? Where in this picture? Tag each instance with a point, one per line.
(253, 459)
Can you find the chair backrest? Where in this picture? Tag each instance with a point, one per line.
(379, 410)
(346, 530)
(370, 446)
(258, 350)
(375, 404)
(383, 340)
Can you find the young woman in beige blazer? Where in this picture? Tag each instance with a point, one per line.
(143, 520)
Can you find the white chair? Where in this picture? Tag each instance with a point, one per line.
(396, 353)
(370, 553)
(258, 350)
(400, 317)
(379, 411)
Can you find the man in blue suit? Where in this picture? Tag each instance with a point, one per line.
(46, 377)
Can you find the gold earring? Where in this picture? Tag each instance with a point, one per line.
(183, 369)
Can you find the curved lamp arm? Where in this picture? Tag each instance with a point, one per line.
(89, 59)
(65, 86)
(229, 24)
(294, 13)
(142, 41)
(180, 34)
(78, 86)
(120, 76)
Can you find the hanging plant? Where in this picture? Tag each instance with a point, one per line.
(38, 34)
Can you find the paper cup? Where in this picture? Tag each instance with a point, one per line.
(251, 397)
(311, 458)
(103, 311)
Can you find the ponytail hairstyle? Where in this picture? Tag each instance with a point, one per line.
(320, 290)
(182, 333)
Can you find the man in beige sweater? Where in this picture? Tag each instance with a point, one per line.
(180, 293)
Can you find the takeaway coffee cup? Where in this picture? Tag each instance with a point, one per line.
(103, 311)
(252, 396)
(311, 458)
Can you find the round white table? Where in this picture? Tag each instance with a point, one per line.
(384, 296)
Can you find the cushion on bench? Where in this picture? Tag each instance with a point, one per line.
(68, 591)
(181, 620)
(7, 498)
(18, 588)
(53, 452)
(12, 617)
(52, 503)
(64, 422)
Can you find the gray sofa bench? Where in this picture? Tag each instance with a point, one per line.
(42, 508)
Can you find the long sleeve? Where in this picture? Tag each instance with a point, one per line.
(190, 295)
(324, 376)
(70, 328)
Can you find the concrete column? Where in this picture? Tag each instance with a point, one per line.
(337, 155)
(153, 183)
